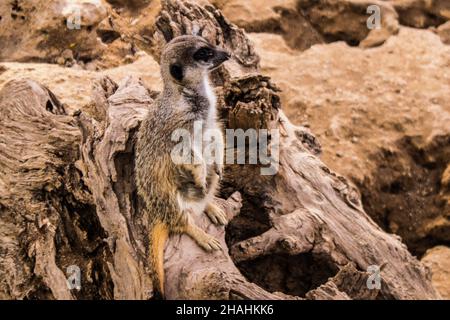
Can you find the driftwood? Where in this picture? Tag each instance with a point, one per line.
(67, 198)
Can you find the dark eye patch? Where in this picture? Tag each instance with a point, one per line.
(176, 71)
(203, 54)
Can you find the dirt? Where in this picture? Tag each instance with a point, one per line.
(407, 182)
(381, 114)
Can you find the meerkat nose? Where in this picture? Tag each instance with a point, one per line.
(223, 55)
(227, 55)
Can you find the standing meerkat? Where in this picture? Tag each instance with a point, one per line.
(172, 191)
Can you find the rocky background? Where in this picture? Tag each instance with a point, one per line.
(378, 100)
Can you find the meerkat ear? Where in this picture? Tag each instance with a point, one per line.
(176, 71)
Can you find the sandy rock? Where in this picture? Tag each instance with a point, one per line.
(305, 23)
(73, 85)
(422, 14)
(348, 20)
(67, 54)
(438, 260)
(444, 32)
(133, 24)
(132, 4)
(91, 12)
(280, 16)
(90, 29)
(445, 180)
(41, 31)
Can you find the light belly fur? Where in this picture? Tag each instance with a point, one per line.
(195, 207)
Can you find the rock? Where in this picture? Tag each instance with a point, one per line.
(280, 16)
(42, 32)
(60, 61)
(67, 54)
(444, 32)
(243, 13)
(132, 23)
(438, 260)
(85, 12)
(305, 23)
(348, 20)
(133, 4)
(445, 180)
(73, 85)
(422, 14)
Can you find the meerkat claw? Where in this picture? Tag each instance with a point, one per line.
(214, 244)
(210, 243)
(216, 214)
(219, 172)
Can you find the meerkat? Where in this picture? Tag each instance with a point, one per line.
(173, 192)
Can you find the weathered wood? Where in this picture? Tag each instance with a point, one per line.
(309, 207)
(41, 196)
(107, 166)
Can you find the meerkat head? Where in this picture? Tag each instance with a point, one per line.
(186, 60)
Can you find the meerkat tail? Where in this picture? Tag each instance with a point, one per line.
(158, 236)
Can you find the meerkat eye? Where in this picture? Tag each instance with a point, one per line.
(203, 54)
(176, 71)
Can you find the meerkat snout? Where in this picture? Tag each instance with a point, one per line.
(210, 58)
(187, 59)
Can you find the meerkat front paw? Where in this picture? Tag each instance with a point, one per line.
(204, 240)
(216, 214)
(209, 243)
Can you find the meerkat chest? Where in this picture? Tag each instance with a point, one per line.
(209, 94)
(201, 101)
(210, 122)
